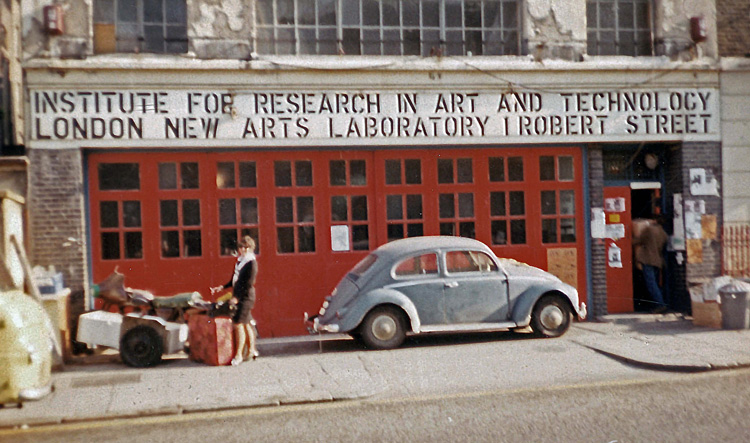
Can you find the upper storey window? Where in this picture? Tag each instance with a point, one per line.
(619, 27)
(388, 27)
(155, 26)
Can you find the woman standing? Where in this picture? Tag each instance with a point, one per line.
(243, 295)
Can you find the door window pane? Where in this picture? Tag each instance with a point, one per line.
(517, 204)
(394, 207)
(191, 213)
(518, 232)
(358, 172)
(303, 173)
(249, 212)
(225, 175)
(339, 210)
(133, 245)
(465, 170)
(515, 169)
(565, 168)
(392, 172)
(567, 230)
(285, 239)
(167, 176)
(282, 173)
(337, 172)
(360, 238)
(549, 231)
(305, 212)
(447, 206)
(189, 175)
(109, 214)
(110, 245)
(131, 214)
(466, 205)
(414, 206)
(359, 208)
(227, 211)
(546, 168)
(192, 239)
(415, 230)
(497, 203)
(499, 232)
(306, 238)
(567, 202)
(413, 171)
(168, 212)
(497, 169)
(284, 210)
(549, 206)
(119, 176)
(445, 171)
(170, 244)
(248, 177)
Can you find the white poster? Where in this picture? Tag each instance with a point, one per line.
(702, 182)
(598, 223)
(340, 238)
(615, 231)
(614, 256)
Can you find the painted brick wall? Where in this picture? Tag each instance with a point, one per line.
(56, 213)
(598, 296)
(733, 24)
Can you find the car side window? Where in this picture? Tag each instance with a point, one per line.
(469, 261)
(417, 265)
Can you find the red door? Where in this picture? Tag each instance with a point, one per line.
(619, 250)
(170, 220)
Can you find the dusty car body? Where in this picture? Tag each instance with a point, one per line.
(26, 347)
(441, 284)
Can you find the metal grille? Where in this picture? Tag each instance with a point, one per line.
(736, 250)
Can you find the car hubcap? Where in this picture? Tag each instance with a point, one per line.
(552, 317)
(384, 328)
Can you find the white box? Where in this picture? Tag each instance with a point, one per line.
(100, 328)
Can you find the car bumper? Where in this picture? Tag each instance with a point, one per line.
(315, 327)
(582, 312)
(36, 393)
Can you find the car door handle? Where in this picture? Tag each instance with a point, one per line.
(451, 284)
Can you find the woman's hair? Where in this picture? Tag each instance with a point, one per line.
(247, 242)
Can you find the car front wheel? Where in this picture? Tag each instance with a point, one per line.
(551, 316)
(383, 328)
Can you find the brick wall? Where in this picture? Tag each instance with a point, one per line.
(56, 208)
(708, 156)
(598, 296)
(733, 24)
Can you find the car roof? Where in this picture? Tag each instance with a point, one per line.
(413, 245)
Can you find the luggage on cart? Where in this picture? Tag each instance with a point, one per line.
(211, 339)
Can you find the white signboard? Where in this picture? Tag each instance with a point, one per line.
(64, 115)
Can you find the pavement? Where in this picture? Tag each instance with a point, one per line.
(100, 386)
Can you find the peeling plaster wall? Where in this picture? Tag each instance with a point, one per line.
(221, 28)
(554, 28)
(672, 28)
(76, 42)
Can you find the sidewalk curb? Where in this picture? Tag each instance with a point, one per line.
(661, 366)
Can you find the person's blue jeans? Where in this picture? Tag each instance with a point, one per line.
(651, 277)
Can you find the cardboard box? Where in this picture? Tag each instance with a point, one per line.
(706, 314)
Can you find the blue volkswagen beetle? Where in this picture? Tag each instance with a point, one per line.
(441, 284)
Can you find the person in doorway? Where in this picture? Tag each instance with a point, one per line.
(243, 295)
(649, 246)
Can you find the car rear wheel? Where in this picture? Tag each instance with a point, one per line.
(551, 316)
(383, 328)
(141, 347)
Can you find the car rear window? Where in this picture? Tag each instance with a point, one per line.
(417, 265)
(364, 264)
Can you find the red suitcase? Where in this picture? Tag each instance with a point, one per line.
(211, 339)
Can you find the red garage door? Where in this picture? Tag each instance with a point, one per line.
(170, 221)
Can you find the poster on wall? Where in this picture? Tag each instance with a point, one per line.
(693, 216)
(678, 225)
(598, 223)
(702, 182)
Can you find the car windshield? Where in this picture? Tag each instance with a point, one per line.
(362, 267)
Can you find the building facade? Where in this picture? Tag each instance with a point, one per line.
(158, 132)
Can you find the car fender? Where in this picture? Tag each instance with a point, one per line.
(525, 302)
(361, 305)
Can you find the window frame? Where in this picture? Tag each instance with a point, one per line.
(293, 27)
(107, 25)
(594, 45)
